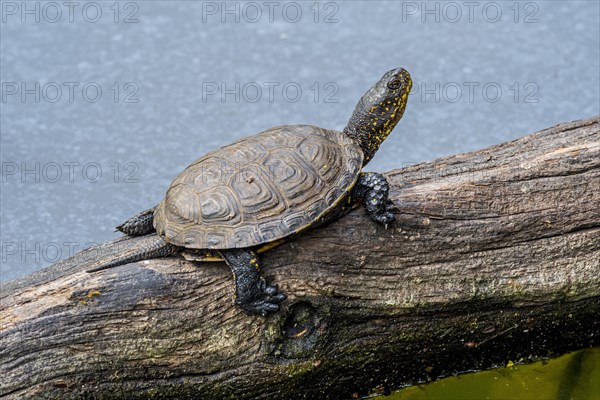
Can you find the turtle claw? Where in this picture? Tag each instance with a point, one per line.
(262, 307)
(263, 300)
(391, 206)
(385, 218)
(271, 290)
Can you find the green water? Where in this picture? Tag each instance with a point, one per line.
(574, 376)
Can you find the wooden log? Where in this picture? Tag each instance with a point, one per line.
(494, 257)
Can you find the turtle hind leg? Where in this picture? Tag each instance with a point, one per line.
(373, 189)
(138, 225)
(252, 293)
(156, 247)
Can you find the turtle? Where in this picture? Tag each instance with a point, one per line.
(245, 198)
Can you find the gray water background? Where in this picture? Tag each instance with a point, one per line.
(166, 56)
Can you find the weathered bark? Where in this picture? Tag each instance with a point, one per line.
(495, 257)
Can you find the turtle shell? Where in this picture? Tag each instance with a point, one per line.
(259, 189)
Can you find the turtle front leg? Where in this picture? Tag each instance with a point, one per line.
(252, 293)
(373, 189)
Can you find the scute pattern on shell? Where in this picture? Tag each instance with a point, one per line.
(259, 189)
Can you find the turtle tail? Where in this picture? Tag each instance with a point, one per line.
(155, 248)
(140, 224)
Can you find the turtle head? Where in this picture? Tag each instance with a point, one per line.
(379, 110)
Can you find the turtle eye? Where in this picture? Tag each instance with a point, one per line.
(393, 84)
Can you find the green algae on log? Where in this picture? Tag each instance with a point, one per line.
(494, 257)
